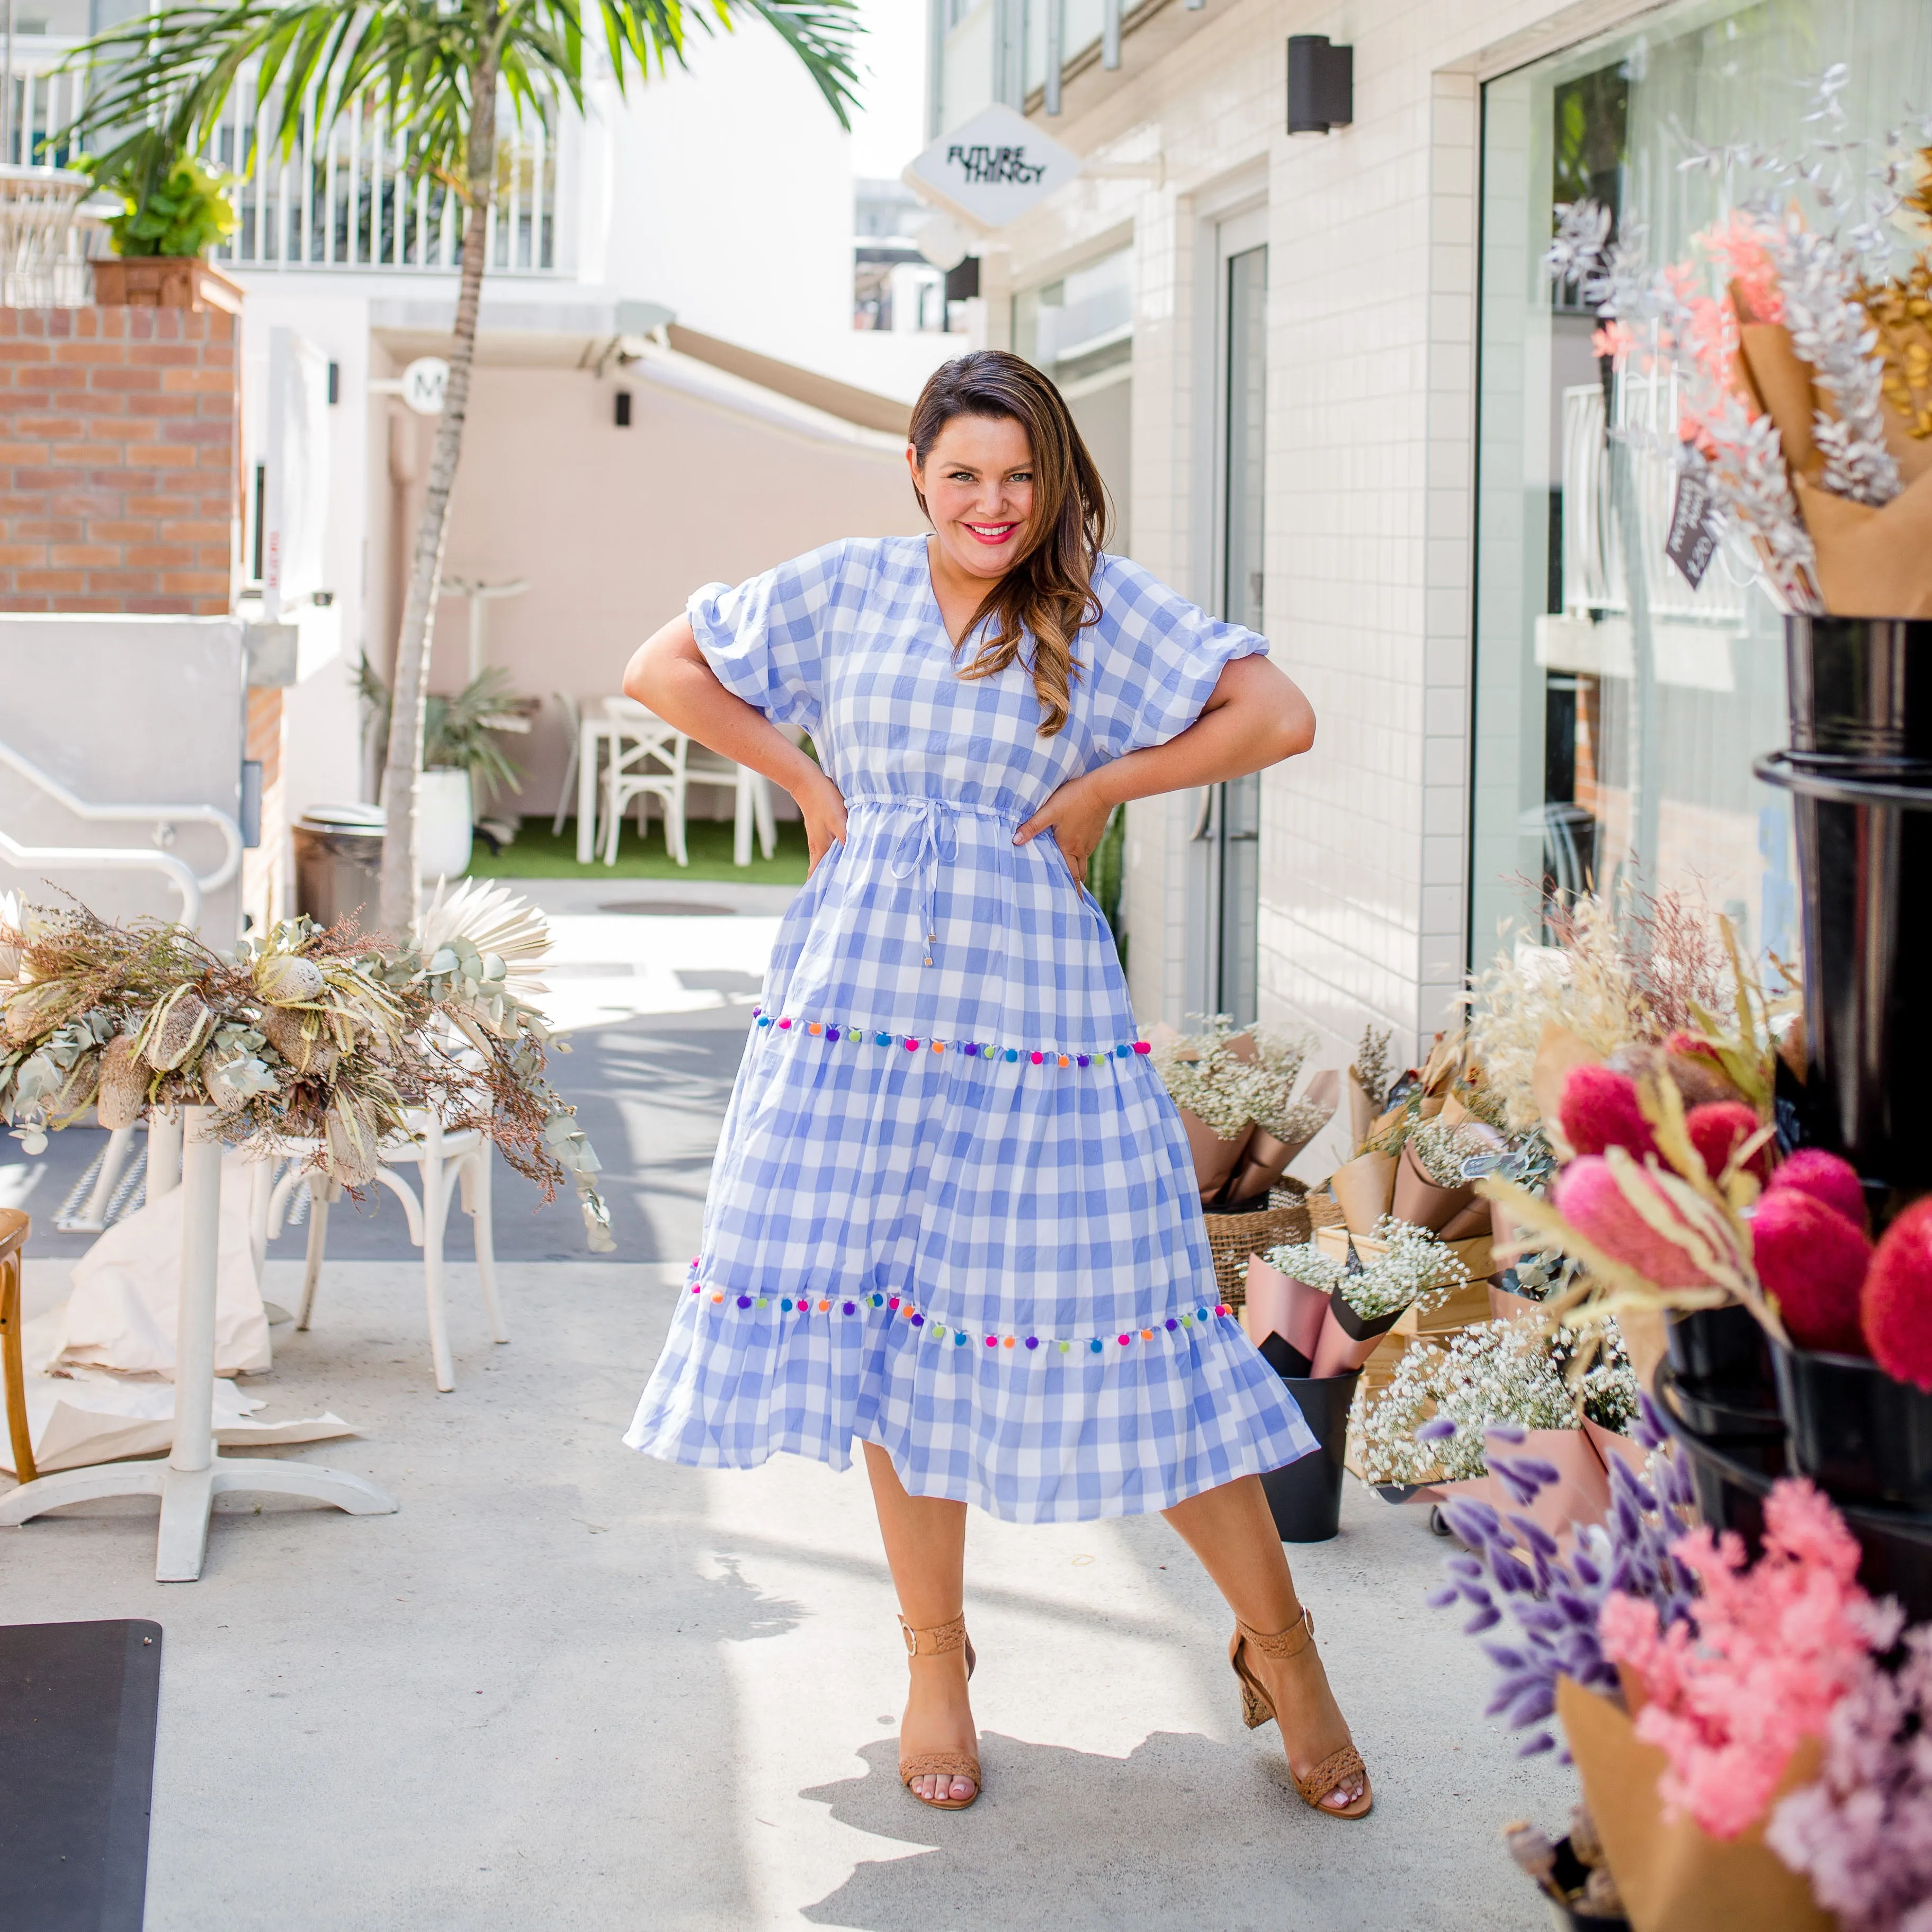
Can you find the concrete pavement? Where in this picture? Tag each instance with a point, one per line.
(565, 1686)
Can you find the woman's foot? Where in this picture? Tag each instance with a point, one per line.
(1288, 1668)
(938, 1724)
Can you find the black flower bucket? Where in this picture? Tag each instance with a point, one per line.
(1305, 1498)
(1732, 1482)
(1860, 690)
(1864, 860)
(1722, 1357)
(1860, 1435)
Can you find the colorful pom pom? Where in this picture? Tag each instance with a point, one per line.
(1063, 1060)
(959, 1341)
(824, 1306)
(783, 1023)
(831, 1035)
(1172, 1323)
(1085, 1060)
(893, 1303)
(878, 1301)
(939, 1046)
(718, 1297)
(1007, 1343)
(784, 1307)
(764, 1019)
(1064, 1346)
(912, 1046)
(1095, 1345)
(1142, 1046)
(1124, 1339)
(1032, 1341)
(849, 1310)
(1146, 1334)
(1121, 1052)
(918, 1319)
(1038, 1057)
(744, 1301)
(814, 1027)
(969, 1049)
(882, 1039)
(1012, 1053)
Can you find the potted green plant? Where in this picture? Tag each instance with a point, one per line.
(174, 209)
(463, 763)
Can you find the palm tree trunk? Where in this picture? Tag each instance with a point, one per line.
(397, 905)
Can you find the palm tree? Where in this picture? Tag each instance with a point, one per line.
(436, 68)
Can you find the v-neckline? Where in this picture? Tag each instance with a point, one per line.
(954, 645)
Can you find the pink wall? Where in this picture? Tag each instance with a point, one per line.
(615, 527)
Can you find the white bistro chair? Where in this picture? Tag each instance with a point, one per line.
(751, 791)
(566, 793)
(440, 1159)
(648, 762)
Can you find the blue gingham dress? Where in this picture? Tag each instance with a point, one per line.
(953, 1211)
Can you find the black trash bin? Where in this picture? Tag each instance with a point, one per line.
(1305, 1498)
(338, 854)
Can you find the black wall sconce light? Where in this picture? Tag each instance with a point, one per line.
(623, 409)
(1320, 85)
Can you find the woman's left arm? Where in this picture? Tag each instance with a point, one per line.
(1256, 717)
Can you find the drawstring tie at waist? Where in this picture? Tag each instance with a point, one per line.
(929, 841)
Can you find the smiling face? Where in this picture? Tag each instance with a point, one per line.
(978, 483)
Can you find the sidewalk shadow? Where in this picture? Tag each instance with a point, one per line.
(1184, 1832)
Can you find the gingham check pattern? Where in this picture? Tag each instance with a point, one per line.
(997, 1198)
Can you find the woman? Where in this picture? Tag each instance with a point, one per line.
(954, 1216)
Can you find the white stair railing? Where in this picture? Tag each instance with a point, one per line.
(163, 818)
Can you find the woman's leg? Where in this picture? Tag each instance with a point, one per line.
(925, 1545)
(1230, 1529)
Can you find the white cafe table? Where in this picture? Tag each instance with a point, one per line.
(188, 1482)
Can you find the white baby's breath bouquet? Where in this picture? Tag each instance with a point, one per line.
(1418, 1270)
(1304, 1262)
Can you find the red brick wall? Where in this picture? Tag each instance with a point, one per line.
(119, 459)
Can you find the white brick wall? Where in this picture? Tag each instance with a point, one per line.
(1372, 236)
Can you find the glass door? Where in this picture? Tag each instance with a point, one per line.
(1228, 826)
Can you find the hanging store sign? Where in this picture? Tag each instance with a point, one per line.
(993, 169)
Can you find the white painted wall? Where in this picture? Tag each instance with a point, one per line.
(1371, 233)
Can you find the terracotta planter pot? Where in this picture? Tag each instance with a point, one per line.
(1673, 1876)
(1364, 1187)
(1347, 1339)
(163, 281)
(1278, 1304)
(1423, 1204)
(1214, 1159)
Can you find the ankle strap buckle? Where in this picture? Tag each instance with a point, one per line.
(936, 1640)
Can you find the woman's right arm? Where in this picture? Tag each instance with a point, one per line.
(668, 676)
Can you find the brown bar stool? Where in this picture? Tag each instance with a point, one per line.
(13, 1227)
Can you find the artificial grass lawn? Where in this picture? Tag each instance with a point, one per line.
(539, 853)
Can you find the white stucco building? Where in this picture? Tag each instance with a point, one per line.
(1337, 397)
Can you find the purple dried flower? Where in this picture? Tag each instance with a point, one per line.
(1437, 1428)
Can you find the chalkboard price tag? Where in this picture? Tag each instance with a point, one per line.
(1696, 518)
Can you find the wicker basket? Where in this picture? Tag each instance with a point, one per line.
(1233, 1238)
(1325, 1210)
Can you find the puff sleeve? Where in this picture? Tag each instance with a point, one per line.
(765, 640)
(1156, 658)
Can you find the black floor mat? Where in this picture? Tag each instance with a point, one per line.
(77, 1707)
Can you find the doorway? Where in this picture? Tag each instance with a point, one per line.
(1225, 865)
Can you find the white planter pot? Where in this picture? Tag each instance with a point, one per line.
(442, 825)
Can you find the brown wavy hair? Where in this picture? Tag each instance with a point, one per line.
(1049, 593)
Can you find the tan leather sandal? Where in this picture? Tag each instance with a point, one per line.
(937, 1642)
(1340, 1766)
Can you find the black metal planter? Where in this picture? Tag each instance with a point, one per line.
(1722, 1356)
(1864, 856)
(1732, 1482)
(1305, 1498)
(1861, 1436)
(1860, 691)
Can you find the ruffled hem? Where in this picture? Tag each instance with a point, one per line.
(1049, 1434)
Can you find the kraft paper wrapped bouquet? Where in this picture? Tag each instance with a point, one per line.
(1799, 330)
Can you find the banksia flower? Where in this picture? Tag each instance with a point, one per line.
(284, 1031)
(1718, 1129)
(1813, 1262)
(123, 1084)
(1599, 1110)
(1825, 1177)
(288, 979)
(178, 1029)
(1897, 1317)
(1588, 1195)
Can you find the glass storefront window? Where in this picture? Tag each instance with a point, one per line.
(1618, 710)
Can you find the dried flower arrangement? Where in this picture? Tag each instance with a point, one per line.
(1416, 1270)
(1371, 1063)
(1279, 1057)
(1205, 1078)
(1801, 360)
(326, 1036)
